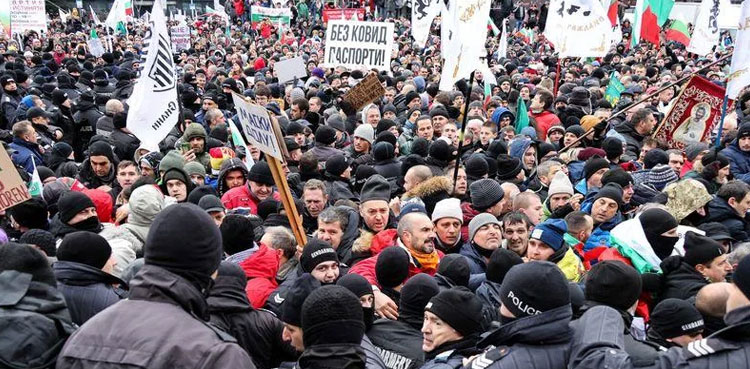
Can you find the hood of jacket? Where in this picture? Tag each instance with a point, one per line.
(144, 205)
(518, 147)
(156, 284)
(228, 296)
(226, 167)
(263, 263)
(549, 327)
(350, 234)
(192, 130)
(374, 243)
(430, 187)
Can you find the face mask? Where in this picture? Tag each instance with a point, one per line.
(369, 314)
(662, 245)
(90, 224)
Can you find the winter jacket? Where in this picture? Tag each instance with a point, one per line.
(390, 169)
(125, 144)
(227, 166)
(633, 140)
(600, 344)
(87, 290)
(26, 154)
(257, 331)
(339, 188)
(739, 161)
(544, 120)
(536, 341)
(260, 269)
(8, 105)
(477, 265)
(600, 235)
(323, 152)
(88, 178)
(680, 280)
(399, 343)
(720, 211)
(571, 266)
(34, 322)
(489, 293)
(85, 118)
(161, 325)
(241, 197)
(372, 355)
(274, 301)
(123, 90)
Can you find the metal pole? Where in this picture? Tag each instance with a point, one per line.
(721, 122)
(463, 129)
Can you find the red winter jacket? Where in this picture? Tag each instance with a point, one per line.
(380, 242)
(240, 197)
(544, 120)
(469, 214)
(260, 269)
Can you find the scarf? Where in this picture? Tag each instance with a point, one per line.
(427, 262)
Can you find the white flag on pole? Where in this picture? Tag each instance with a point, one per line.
(578, 28)
(153, 104)
(94, 17)
(63, 15)
(739, 72)
(502, 49)
(116, 14)
(706, 30)
(423, 12)
(463, 40)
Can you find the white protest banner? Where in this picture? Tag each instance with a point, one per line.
(579, 28)
(288, 70)
(423, 12)
(359, 44)
(706, 30)
(180, 37)
(463, 39)
(27, 15)
(153, 104)
(256, 127)
(739, 72)
(12, 188)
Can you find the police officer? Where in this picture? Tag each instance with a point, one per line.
(451, 328)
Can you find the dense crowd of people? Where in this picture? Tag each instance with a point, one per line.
(439, 234)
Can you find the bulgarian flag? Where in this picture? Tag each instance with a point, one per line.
(678, 31)
(612, 12)
(527, 34)
(650, 16)
(128, 8)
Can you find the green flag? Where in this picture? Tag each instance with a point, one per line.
(93, 33)
(35, 186)
(614, 89)
(522, 116)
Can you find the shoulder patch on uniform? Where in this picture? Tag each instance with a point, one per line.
(705, 347)
(278, 299)
(443, 356)
(490, 356)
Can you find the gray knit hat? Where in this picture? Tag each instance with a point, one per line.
(365, 132)
(479, 221)
(485, 193)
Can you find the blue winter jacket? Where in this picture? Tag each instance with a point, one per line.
(739, 160)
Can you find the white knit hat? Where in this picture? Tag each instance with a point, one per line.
(448, 208)
(560, 184)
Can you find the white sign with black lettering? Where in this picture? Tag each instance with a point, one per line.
(358, 45)
(180, 37)
(288, 70)
(256, 127)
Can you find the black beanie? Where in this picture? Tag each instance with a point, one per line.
(459, 308)
(501, 260)
(362, 176)
(26, 259)
(267, 207)
(654, 157)
(522, 293)
(740, 277)
(619, 176)
(315, 252)
(326, 311)
(613, 283)
(455, 267)
(237, 233)
(120, 120)
(383, 151)
(392, 267)
(291, 310)
(416, 293)
(336, 165)
(420, 146)
(355, 283)
(476, 167)
(508, 167)
(72, 203)
(325, 135)
(613, 147)
(30, 214)
(193, 255)
(42, 239)
(593, 165)
(674, 317)
(376, 188)
(101, 148)
(86, 248)
(261, 173)
(700, 249)
(441, 150)
(611, 191)
(384, 125)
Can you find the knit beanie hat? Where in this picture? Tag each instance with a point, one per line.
(336, 122)
(661, 175)
(171, 160)
(294, 128)
(336, 165)
(26, 259)
(523, 295)
(326, 311)
(613, 283)
(611, 191)
(674, 317)
(385, 125)
(448, 208)
(261, 173)
(193, 255)
(363, 174)
(500, 263)
(476, 167)
(575, 129)
(383, 151)
(740, 277)
(355, 283)
(743, 130)
(365, 132)
(86, 248)
(42, 239)
(237, 233)
(612, 146)
(508, 167)
(455, 267)
(485, 193)
(442, 150)
(700, 249)
(315, 252)
(195, 168)
(392, 267)
(291, 309)
(416, 293)
(31, 213)
(694, 149)
(550, 232)
(591, 152)
(325, 135)
(654, 157)
(592, 165)
(619, 176)
(479, 221)
(560, 184)
(375, 188)
(72, 203)
(459, 308)
(211, 203)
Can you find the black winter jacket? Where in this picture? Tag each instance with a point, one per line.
(679, 279)
(720, 211)
(399, 343)
(87, 290)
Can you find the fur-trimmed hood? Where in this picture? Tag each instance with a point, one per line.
(431, 191)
